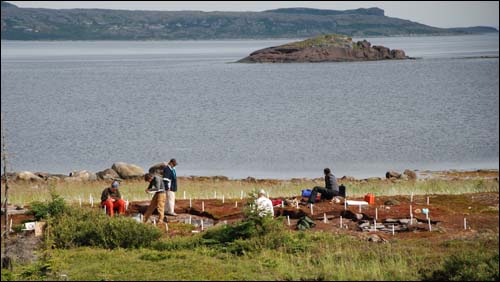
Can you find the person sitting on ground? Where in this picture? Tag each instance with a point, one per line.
(330, 190)
(111, 199)
(264, 205)
(158, 202)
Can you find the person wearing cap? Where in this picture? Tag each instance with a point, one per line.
(112, 199)
(158, 202)
(170, 182)
(330, 190)
(264, 205)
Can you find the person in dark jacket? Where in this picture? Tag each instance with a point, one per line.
(111, 199)
(170, 182)
(330, 190)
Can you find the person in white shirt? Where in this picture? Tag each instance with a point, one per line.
(264, 205)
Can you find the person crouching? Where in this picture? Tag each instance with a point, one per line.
(111, 199)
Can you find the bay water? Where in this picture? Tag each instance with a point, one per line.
(74, 105)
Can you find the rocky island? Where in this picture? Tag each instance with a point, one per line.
(324, 48)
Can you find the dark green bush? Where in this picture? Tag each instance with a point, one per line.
(467, 267)
(84, 227)
(54, 207)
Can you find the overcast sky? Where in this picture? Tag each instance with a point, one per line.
(433, 13)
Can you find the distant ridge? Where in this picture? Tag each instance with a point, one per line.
(321, 12)
(101, 24)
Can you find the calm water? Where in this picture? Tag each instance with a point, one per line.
(85, 105)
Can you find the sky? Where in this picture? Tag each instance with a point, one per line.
(434, 13)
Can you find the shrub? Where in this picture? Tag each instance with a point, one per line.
(42, 210)
(467, 267)
(84, 227)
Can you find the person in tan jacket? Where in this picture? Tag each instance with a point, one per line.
(158, 202)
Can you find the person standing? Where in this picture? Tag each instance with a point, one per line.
(158, 202)
(170, 182)
(111, 199)
(330, 190)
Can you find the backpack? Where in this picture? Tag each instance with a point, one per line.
(305, 222)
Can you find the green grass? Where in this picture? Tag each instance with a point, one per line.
(327, 257)
(24, 193)
(327, 40)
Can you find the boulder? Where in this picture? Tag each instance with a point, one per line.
(27, 176)
(392, 174)
(107, 174)
(158, 168)
(410, 174)
(128, 171)
(83, 175)
(348, 178)
(351, 215)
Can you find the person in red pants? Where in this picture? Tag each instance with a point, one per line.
(111, 199)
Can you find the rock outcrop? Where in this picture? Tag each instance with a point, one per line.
(324, 48)
(127, 171)
(107, 174)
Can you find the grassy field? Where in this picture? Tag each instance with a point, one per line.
(239, 252)
(298, 256)
(24, 193)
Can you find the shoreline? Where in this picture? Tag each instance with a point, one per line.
(86, 176)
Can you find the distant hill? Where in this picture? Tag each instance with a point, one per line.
(99, 24)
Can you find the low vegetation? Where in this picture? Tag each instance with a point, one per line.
(82, 244)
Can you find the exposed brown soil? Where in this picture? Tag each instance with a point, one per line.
(447, 213)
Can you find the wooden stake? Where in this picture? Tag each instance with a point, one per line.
(215, 194)
(374, 225)
(241, 194)
(345, 204)
(376, 213)
(223, 199)
(393, 230)
(341, 222)
(235, 204)
(190, 203)
(465, 223)
(427, 200)
(166, 227)
(10, 225)
(288, 219)
(429, 221)
(325, 220)
(312, 212)
(190, 220)
(126, 205)
(202, 206)
(202, 224)
(184, 195)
